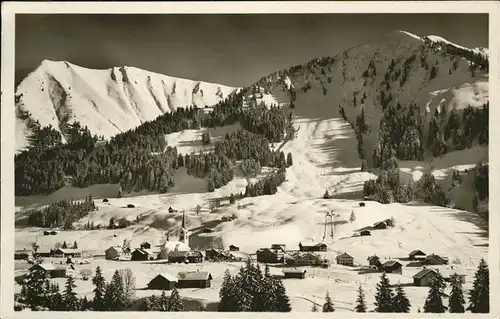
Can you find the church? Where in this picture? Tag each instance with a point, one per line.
(184, 232)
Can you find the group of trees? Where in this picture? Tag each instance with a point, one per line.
(428, 189)
(62, 213)
(481, 188)
(252, 290)
(270, 123)
(39, 293)
(400, 132)
(216, 166)
(164, 303)
(266, 186)
(387, 300)
(388, 188)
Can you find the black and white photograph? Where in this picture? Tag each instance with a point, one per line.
(170, 161)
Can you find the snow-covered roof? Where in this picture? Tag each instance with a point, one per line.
(294, 270)
(194, 275)
(391, 263)
(424, 272)
(345, 255)
(167, 276)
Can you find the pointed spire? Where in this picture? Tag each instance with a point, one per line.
(184, 220)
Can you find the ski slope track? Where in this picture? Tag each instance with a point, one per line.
(106, 101)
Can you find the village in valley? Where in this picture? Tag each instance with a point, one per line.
(355, 182)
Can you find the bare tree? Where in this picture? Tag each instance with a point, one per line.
(128, 279)
(85, 273)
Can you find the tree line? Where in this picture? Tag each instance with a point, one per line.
(266, 186)
(61, 214)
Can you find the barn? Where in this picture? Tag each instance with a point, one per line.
(365, 233)
(345, 259)
(163, 281)
(23, 254)
(50, 270)
(194, 279)
(374, 261)
(424, 277)
(142, 254)
(234, 248)
(380, 225)
(145, 245)
(299, 273)
(392, 267)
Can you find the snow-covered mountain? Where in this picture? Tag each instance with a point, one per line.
(433, 73)
(106, 101)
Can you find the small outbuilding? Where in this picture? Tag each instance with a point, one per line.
(194, 279)
(163, 281)
(380, 225)
(365, 233)
(113, 252)
(234, 248)
(142, 254)
(145, 245)
(361, 204)
(299, 273)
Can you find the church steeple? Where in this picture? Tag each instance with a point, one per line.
(184, 233)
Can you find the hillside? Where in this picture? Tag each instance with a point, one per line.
(382, 77)
(106, 101)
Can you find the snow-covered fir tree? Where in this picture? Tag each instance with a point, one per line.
(456, 299)
(434, 302)
(360, 302)
(384, 295)
(175, 302)
(328, 305)
(400, 302)
(479, 300)
(99, 283)
(70, 298)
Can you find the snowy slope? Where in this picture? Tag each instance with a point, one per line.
(106, 101)
(347, 80)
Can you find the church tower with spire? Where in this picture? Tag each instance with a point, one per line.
(184, 234)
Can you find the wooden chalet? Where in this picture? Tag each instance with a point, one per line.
(380, 225)
(424, 277)
(23, 254)
(194, 279)
(345, 259)
(392, 267)
(365, 233)
(114, 252)
(374, 261)
(416, 255)
(299, 273)
(142, 254)
(234, 248)
(191, 256)
(163, 281)
(67, 252)
(145, 245)
(314, 247)
(266, 255)
(306, 259)
(434, 259)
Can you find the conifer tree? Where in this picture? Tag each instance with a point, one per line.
(479, 300)
(384, 295)
(84, 304)
(175, 302)
(326, 195)
(400, 301)
(456, 300)
(352, 217)
(99, 290)
(55, 299)
(70, 298)
(314, 308)
(64, 245)
(434, 302)
(75, 245)
(289, 160)
(226, 292)
(328, 306)
(114, 296)
(282, 300)
(360, 302)
(34, 288)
